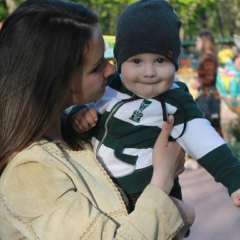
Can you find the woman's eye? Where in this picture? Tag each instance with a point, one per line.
(160, 60)
(96, 68)
(136, 61)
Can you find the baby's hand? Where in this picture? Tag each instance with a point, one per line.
(236, 198)
(85, 119)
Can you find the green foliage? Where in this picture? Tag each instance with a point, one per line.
(220, 16)
(3, 10)
(108, 11)
(234, 142)
(234, 129)
(235, 147)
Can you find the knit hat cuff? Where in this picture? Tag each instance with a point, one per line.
(125, 52)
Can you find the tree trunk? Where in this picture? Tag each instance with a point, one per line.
(11, 5)
(219, 19)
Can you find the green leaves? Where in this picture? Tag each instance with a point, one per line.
(220, 16)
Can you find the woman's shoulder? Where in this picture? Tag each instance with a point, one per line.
(45, 153)
(40, 164)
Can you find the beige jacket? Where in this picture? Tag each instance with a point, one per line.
(50, 192)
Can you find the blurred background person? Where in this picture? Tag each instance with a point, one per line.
(208, 97)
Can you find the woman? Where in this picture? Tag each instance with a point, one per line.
(207, 71)
(51, 185)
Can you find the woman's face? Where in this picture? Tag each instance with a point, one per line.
(90, 79)
(199, 44)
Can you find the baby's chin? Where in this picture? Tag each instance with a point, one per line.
(149, 92)
(153, 95)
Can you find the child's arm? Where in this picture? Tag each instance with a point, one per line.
(203, 143)
(236, 198)
(84, 119)
(223, 165)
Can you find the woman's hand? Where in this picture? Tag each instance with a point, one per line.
(168, 159)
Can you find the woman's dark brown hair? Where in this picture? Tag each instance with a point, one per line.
(41, 44)
(208, 41)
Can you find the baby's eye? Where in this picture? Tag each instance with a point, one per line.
(160, 60)
(136, 61)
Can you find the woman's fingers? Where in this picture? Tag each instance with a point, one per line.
(166, 131)
(168, 158)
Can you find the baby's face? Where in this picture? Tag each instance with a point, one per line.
(148, 75)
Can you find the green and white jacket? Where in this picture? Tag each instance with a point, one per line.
(128, 127)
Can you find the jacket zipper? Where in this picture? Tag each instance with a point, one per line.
(113, 111)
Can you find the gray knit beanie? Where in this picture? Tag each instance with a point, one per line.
(148, 26)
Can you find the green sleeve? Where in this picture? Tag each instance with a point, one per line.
(224, 166)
